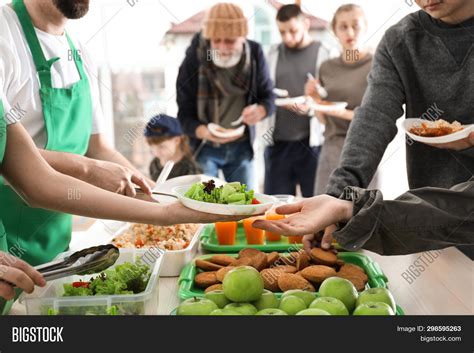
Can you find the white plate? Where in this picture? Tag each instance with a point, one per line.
(279, 102)
(229, 133)
(267, 202)
(327, 108)
(409, 123)
(280, 92)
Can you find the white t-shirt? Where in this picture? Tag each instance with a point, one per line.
(19, 80)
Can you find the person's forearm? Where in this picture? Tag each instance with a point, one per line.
(67, 163)
(419, 220)
(100, 149)
(42, 186)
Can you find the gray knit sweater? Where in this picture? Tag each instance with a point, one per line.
(412, 66)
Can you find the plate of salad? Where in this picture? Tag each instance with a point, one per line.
(228, 199)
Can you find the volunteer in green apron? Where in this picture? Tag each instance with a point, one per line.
(68, 121)
(3, 142)
(4, 305)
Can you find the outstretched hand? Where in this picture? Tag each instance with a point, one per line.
(309, 216)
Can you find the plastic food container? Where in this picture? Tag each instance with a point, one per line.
(173, 260)
(48, 300)
(377, 278)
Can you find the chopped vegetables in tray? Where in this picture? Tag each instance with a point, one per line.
(230, 193)
(127, 278)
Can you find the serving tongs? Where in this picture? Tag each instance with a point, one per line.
(83, 262)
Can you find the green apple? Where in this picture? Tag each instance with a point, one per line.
(196, 306)
(341, 289)
(243, 284)
(271, 312)
(218, 297)
(373, 308)
(225, 312)
(377, 295)
(312, 311)
(332, 305)
(307, 297)
(292, 304)
(242, 308)
(267, 300)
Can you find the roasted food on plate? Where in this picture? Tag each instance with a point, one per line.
(436, 128)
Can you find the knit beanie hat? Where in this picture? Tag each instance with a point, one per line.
(224, 20)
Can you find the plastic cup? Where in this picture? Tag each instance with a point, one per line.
(225, 232)
(254, 236)
(270, 236)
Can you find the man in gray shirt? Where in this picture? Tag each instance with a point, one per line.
(426, 61)
(291, 160)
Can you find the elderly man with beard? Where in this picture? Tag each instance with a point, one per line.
(224, 76)
(50, 83)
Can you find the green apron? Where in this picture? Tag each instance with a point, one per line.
(4, 305)
(40, 234)
(3, 142)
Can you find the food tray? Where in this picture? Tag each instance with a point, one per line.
(48, 300)
(377, 278)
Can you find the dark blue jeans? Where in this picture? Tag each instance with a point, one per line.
(235, 159)
(288, 164)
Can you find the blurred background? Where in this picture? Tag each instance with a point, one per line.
(138, 46)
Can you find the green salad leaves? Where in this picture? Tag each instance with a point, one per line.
(126, 278)
(231, 193)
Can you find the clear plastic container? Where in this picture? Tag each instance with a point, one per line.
(49, 301)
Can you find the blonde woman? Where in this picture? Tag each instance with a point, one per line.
(345, 80)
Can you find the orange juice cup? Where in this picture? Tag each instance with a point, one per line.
(225, 232)
(254, 236)
(273, 217)
(295, 239)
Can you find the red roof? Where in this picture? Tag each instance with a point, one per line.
(193, 24)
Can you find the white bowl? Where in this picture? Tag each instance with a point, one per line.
(266, 202)
(229, 133)
(327, 108)
(409, 123)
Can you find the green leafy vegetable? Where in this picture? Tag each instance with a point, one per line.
(232, 193)
(126, 278)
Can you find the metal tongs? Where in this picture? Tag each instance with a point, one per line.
(84, 262)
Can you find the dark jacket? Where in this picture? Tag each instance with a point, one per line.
(186, 166)
(187, 86)
(419, 220)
